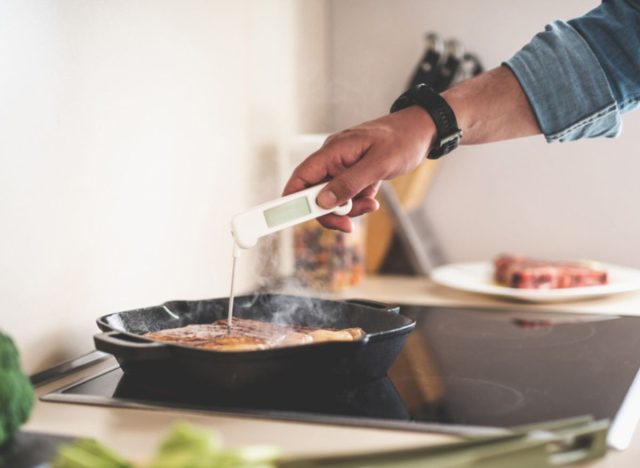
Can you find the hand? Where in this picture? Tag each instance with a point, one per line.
(355, 161)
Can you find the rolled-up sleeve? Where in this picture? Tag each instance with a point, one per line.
(579, 76)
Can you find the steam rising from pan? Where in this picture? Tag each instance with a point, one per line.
(287, 309)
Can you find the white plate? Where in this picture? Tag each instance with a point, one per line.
(478, 278)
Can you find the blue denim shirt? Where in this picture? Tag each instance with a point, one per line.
(581, 75)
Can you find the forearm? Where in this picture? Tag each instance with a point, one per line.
(554, 85)
(492, 107)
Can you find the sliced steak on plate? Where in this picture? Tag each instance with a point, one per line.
(521, 272)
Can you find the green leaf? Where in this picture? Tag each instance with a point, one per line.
(192, 447)
(88, 453)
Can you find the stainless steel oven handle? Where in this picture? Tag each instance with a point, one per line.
(67, 367)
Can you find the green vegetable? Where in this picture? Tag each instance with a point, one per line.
(87, 453)
(186, 447)
(16, 392)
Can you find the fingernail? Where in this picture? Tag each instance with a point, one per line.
(327, 199)
(349, 226)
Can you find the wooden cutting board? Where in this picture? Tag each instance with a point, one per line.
(411, 189)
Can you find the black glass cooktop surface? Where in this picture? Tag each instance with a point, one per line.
(459, 367)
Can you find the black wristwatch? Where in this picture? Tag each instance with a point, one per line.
(449, 134)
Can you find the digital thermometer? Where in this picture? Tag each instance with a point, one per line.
(280, 214)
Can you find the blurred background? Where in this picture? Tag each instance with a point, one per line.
(132, 131)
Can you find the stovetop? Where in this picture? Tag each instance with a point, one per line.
(460, 368)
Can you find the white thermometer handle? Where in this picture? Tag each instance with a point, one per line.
(284, 212)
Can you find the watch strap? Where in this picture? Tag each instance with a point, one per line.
(448, 133)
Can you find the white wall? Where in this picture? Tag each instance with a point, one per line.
(130, 132)
(574, 200)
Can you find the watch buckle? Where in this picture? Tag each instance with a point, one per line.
(455, 137)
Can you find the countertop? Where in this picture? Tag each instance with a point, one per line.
(136, 433)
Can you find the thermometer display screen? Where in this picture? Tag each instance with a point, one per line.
(287, 212)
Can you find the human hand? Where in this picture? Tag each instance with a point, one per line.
(356, 160)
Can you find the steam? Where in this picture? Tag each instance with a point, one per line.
(290, 301)
(270, 273)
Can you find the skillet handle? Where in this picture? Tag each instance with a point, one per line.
(127, 347)
(375, 304)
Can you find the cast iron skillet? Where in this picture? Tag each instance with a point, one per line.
(339, 362)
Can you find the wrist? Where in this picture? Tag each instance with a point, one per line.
(456, 101)
(447, 131)
(492, 107)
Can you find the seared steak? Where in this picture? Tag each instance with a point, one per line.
(250, 335)
(525, 273)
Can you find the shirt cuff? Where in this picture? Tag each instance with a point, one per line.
(566, 85)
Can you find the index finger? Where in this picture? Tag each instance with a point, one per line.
(311, 171)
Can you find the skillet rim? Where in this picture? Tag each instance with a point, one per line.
(358, 344)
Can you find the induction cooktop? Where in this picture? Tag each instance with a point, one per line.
(462, 370)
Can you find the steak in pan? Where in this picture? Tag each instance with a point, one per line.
(250, 335)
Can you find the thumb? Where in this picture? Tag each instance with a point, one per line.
(349, 183)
